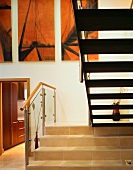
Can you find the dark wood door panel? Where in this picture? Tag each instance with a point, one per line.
(6, 109)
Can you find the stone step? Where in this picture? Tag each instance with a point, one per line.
(85, 140)
(80, 165)
(88, 130)
(84, 148)
(83, 153)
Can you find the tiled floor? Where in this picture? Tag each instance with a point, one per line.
(13, 159)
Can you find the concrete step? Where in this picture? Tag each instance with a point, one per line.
(83, 153)
(85, 140)
(80, 165)
(88, 130)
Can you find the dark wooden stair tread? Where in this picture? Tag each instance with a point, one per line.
(122, 116)
(104, 19)
(106, 46)
(118, 124)
(110, 83)
(114, 66)
(110, 107)
(110, 96)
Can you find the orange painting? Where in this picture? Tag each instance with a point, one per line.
(36, 30)
(5, 31)
(69, 39)
(70, 49)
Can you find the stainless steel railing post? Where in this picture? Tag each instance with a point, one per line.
(54, 106)
(43, 110)
(26, 125)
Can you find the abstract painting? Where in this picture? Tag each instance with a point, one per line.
(36, 30)
(69, 40)
(5, 31)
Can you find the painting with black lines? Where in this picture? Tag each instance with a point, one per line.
(36, 30)
(69, 40)
(5, 31)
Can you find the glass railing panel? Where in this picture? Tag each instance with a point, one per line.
(35, 122)
(49, 106)
(39, 112)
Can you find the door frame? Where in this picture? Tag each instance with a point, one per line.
(1, 122)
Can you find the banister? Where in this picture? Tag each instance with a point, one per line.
(48, 85)
(34, 91)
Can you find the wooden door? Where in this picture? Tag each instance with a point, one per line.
(6, 109)
(14, 98)
(21, 91)
(14, 115)
(10, 122)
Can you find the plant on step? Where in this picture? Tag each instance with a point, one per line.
(116, 112)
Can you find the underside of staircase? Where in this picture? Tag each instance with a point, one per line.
(84, 148)
(103, 20)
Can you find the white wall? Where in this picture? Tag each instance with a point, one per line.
(111, 4)
(64, 75)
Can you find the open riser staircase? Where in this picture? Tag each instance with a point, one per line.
(84, 148)
(103, 20)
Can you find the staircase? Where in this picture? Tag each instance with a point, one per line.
(94, 147)
(84, 148)
(89, 20)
